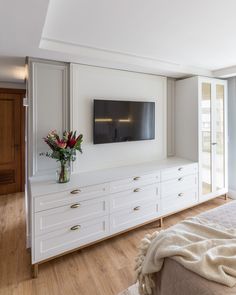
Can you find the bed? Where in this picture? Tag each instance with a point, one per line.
(174, 278)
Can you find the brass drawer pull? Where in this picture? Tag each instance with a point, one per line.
(75, 227)
(180, 168)
(137, 208)
(180, 194)
(75, 191)
(180, 179)
(77, 205)
(136, 178)
(136, 190)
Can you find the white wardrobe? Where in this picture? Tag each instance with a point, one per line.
(201, 131)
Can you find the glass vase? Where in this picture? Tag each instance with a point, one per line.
(63, 173)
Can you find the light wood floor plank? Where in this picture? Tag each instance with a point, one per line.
(102, 269)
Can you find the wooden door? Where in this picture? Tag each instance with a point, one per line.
(11, 141)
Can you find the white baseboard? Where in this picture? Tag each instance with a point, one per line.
(232, 194)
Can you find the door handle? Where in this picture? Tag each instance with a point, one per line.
(136, 178)
(77, 205)
(136, 190)
(75, 227)
(214, 143)
(75, 191)
(136, 208)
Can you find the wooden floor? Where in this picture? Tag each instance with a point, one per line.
(102, 269)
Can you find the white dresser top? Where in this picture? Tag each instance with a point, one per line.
(41, 185)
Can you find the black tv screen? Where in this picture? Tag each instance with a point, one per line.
(118, 121)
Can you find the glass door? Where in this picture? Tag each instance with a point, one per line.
(219, 137)
(206, 137)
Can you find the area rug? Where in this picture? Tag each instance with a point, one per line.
(132, 290)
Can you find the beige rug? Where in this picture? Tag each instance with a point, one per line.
(132, 290)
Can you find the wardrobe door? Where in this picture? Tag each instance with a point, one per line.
(213, 136)
(219, 142)
(206, 137)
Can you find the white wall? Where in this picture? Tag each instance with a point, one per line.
(232, 135)
(88, 83)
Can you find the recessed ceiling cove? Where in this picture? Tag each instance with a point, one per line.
(174, 38)
(183, 33)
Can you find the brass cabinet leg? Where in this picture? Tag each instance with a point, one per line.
(225, 197)
(161, 222)
(35, 270)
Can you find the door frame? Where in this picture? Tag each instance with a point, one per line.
(22, 93)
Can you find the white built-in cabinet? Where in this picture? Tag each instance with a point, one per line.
(201, 131)
(99, 204)
(47, 107)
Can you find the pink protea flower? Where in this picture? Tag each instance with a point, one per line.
(61, 144)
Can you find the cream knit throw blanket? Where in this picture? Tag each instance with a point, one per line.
(206, 249)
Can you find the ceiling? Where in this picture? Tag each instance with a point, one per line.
(167, 37)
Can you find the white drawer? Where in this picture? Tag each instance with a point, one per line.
(179, 200)
(66, 239)
(67, 197)
(50, 220)
(179, 171)
(133, 216)
(133, 182)
(178, 185)
(126, 199)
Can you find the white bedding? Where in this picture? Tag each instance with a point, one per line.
(206, 245)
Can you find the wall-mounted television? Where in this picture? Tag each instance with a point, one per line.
(119, 121)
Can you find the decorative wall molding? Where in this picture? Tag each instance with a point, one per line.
(35, 100)
(116, 59)
(12, 85)
(225, 72)
(170, 117)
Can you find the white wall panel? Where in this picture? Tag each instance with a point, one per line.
(88, 83)
(48, 106)
(170, 116)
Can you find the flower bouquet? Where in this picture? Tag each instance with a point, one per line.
(63, 150)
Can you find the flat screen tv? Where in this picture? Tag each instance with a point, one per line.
(119, 121)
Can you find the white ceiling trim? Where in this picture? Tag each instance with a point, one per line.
(225, 72)
(92, 53)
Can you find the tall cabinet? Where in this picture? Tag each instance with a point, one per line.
(201, 131)
(47, 108)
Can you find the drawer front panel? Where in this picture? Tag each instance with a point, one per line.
(133, 216)
(131, 197)
(133, 182)
(178, 185)
(74, 195)
(179, 171)
(69, 238)
(179, 200)
(50, 220)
